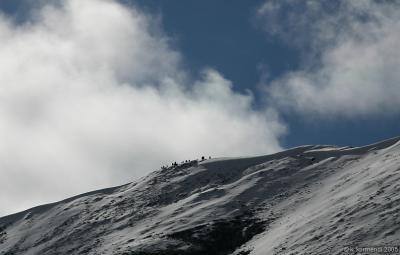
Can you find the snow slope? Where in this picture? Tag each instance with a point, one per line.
(306, 200)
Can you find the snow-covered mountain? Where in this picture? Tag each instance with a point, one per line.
(306, 200)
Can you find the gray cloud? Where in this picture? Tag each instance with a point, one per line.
(351, 52)
(92, 95)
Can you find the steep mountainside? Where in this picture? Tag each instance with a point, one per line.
(307, 200)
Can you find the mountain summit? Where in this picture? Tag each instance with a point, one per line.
(306, 200)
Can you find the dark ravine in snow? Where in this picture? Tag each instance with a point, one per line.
(306, 200)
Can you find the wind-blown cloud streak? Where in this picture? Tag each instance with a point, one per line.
(92, 95)
(351, 58)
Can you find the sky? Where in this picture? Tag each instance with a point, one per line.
(97, 93)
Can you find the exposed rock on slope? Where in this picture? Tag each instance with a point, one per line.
(307, 200)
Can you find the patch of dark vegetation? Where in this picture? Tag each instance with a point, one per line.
(3, 234)
(217, 238)
(222, 237)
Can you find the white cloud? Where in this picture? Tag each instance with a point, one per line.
(91, 95)
(353, 68)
